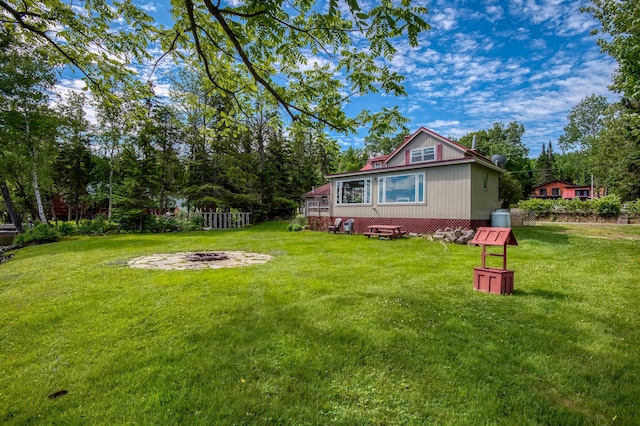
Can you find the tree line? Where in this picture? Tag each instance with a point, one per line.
(246, 124)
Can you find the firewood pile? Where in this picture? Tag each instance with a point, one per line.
(457, 236)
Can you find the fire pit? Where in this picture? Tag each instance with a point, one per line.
(199, 260)
(206, 257)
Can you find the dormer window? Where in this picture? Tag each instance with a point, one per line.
(377, 165)
(421, 155)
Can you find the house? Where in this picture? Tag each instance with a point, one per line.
(566, 190)
(429, 182)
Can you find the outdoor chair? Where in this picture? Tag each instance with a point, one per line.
(336, 226)
(348, 226)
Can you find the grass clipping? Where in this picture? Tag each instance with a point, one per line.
(183, 261)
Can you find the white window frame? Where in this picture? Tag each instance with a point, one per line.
(419, 196)
(423, 155)
(366, 196)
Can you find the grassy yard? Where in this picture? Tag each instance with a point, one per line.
(335, 329)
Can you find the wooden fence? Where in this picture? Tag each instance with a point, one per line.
(217, 220)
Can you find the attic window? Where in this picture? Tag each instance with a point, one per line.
(377, 165)
(421, 155)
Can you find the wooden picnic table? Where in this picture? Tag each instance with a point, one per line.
(388, 231)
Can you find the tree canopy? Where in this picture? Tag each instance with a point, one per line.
(620, 21)
(307, 59)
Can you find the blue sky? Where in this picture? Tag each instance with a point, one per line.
(492, 61)
(483, 61)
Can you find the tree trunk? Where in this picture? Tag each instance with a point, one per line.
(110, 191)
(8, 202)
(36, 190)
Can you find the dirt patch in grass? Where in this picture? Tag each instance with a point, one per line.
(182, 261)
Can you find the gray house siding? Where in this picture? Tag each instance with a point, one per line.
(449, 185)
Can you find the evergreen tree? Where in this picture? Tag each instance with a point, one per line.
(545, 165)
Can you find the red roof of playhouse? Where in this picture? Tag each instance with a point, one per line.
(494, 237)
(321, 190)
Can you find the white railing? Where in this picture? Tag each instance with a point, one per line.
(314, 206)
(218, 220)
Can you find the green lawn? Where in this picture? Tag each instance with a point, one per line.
(335, 329)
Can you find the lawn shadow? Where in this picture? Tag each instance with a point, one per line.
(543, 294)
(545, 234)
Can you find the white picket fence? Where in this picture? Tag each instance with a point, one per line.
(218, 220)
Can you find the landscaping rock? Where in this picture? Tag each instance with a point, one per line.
(457, 236)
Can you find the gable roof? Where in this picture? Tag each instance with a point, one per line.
(563, 182)
(465, 150)
(321, 190)
(370, 161)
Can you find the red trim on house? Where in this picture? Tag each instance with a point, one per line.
(413, 225)
(439, 152)
(410, 137)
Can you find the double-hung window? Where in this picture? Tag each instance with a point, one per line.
(421, 155)
(356, 191)
(401, 189)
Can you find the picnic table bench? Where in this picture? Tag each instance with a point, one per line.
(388, 231)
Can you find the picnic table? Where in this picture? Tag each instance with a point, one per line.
(388, 231)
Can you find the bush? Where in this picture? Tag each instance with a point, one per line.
(633, 208)
(165, 224)
(39, 234)
(282, 207)
(298, 224)
(66, 228)
(98, 226)
(537, 205)
(135, 220)
(609, 205)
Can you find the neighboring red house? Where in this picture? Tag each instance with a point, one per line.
(565, 190)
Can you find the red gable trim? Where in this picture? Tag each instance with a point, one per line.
(409, 138)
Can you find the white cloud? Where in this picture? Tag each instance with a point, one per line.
(149, 7)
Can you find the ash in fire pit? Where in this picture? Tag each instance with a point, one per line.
(206, 257)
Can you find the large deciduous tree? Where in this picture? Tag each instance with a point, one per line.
(310, 59)
(616, 152)
(28, 124)
(620, 20)
(586, 120)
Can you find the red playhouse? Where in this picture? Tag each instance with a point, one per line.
(494, 280)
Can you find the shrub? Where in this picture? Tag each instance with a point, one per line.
(633, 208)
(298, 224)
(66, 228)
(537, 205)
(96, 226)
(165, 224)
(135, 220)
(609, 205)
(282, 207)
(39, 234)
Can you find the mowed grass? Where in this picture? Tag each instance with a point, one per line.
(336, 329)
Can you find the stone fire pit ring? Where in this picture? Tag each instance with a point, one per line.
(199, 260)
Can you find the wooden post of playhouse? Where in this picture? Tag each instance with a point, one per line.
(494, 280)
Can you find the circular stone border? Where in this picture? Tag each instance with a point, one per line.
(180, 261)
